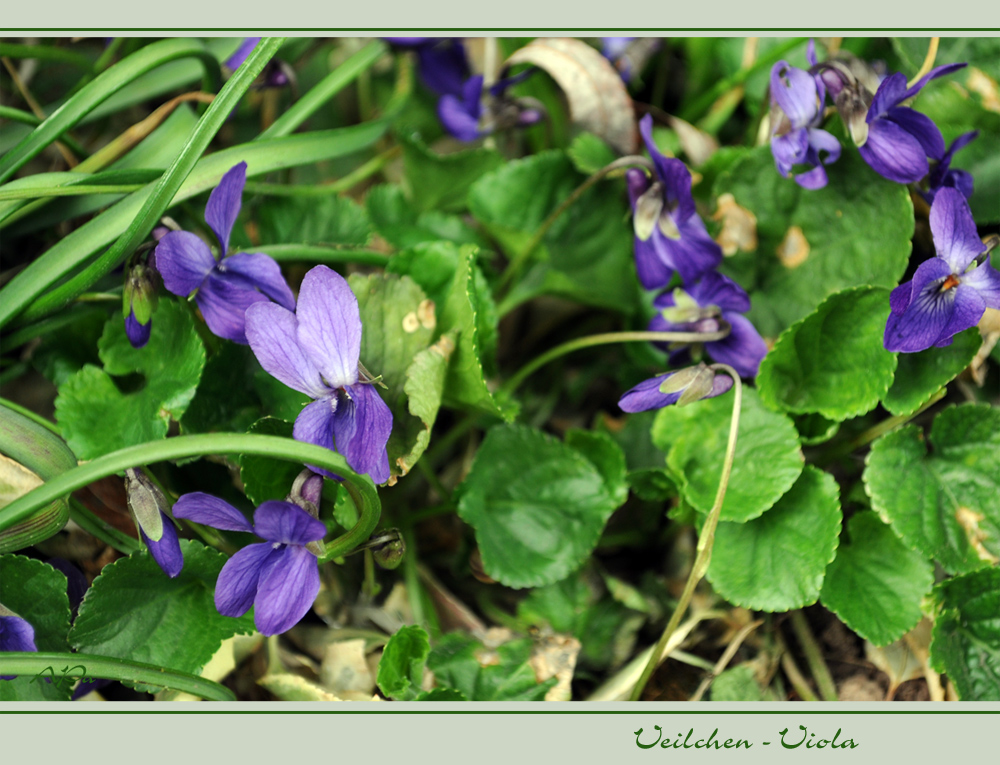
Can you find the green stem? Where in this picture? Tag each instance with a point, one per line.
(51, 324)
(520, 259)
(705, 540)
(69, 191)
(45, 53)
(94, 526)
(348, 182)
(814, 657)
(607, 338)
(110, 668)
(361, 489)
(697, 108)
(320, 254)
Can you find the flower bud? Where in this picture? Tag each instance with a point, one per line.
(388, 548)
(307, 492)
(648, 209)
(138, 303)
(146, 502)
(693, 383)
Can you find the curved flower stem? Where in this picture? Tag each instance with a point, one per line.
(705, 540)
(110, 668)
(361, 489)
(607, 338)
(929, 59)
(520, 259)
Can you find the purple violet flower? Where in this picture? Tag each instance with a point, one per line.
(943, 177)
(278, 577)
(899, 139)
(704, 307)
(16, 634)
(613, 49)
(797, 111)
(441, 62)
(166, 550)
(681, 387)
(274, 72)
(227, 286)
(945, 296)
(460, 115)
(669, 235)
(315, 350)
(138, 303)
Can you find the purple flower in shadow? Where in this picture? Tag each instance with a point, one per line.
(441, 62)
(682, 387)
(278, 577)
(460, 114)
(704, 307)
(796, 139)
(899, 140)
(669, 235)
(16, 634)
(945, 296)
(227, 286)
(316, 351)
(943, 177)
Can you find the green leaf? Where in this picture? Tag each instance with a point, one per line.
(135, 611)
(945, 504)
(832, 362)
(403, 226)
(876, 583)
(37, 593)
(981, 52)
(537, 505)
(857, 230)
(265, 478)
(920, 375)
(96, 417)
(442, 181)
(461, 662)
(313, 220)
(737, 684)
(432, 265)
(606, 456)
(695, 436)
(590, 154)
(224, 400)
(587, 253)
(815, 428)
(776, 562)
(965, 641)
(401, 668)
(472, 312)
(424, 388)
(441, 694)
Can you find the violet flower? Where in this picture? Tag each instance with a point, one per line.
(227, 286)
(138, 303)
(441, 62)
(945, 296)
(797, 111)
(669, 235)
(682, 387)
(274, 71)
(943, 177)
(315, 351)
(460, 114)
(704, 307)
(278, 577)
(16, 634)
(899, 140)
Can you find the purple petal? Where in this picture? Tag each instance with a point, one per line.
(263, 273)
(742, 349)
(240, 55)
(287, 589)
(790, 149)
(716, 289)
(813, 179)
(272, 333)
(210, 511)
(76, 582)
(968, 309)
(460, 119)
(224, 204)
(890, 92)
(820, 140)
(694, 254)
(675, 176)
(638, 184)
(166, 551)
(407, 42)
(137, 334)
(443, 66)
(794, 91)
(899, 298)
(646, 395)
(224, 302)
(184, 261)
(930, 311)
(986, 281)
(330, 326)
(654, 273)
(286, 523)
(16, 634)
(314, 425)
(933, 74)
(954, 230)
(893, 153)
(921, 127)
(237, 585)
(361, 428)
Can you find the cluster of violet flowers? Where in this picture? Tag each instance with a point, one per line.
(444, 68)
(671, 241)
(897, 142)
(312, 345)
